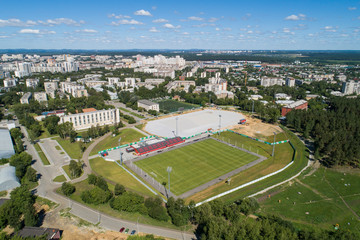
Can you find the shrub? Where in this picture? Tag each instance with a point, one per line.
(67, 188)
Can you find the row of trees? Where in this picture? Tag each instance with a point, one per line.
(24, 172)
(335, 130)
(216, 220)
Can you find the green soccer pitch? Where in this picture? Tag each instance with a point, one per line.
(195, 164)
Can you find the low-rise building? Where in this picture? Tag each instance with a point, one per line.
(148, 105)
(50, 88)
(301, 104)
(154, 81)
(25, 98)
(32, 83)
(92, 117)
(10, 82)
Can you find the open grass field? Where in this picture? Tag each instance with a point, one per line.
(72, 149)
(195, 164)
(283, 155)
(127, 135)
(173, 106)
(43, 158)
(315, 201)
(60, 178)
(114, 173)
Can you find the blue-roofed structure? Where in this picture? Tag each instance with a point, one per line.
(6, 144)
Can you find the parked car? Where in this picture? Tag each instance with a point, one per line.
(104, 154)
(122, 229)
(133, 232)
(127, 230)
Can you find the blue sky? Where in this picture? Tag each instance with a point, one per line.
(145, 24)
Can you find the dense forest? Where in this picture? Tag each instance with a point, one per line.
(335, 130)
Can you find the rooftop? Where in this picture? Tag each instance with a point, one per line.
(296, 104)
(147, 102)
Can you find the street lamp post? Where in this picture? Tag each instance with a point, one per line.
(169, 169)
(273, 152)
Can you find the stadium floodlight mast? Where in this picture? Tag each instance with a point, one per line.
(169, 169)
(219, 123)
(121, 160)
(273, 152)
(177, 127)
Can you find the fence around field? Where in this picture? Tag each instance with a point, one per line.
(196, 135)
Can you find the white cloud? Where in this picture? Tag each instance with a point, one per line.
(169, 25)
(330, 29)
(250, 32)
(185, 33)
(227, 29)
(58, 21)
(126, 22)
(3, 36)
(286, 30)
(195, 18)
(118, 16)
(294, 17)
(36, 31)
(13, 22)
(154, 7)
(352, 8)
(213, 19)
(160, 20)
(153, 29)
(246, 17)
(142, 12)
(87, 31)
(217, 29)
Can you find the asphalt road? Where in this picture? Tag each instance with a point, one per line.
(47, 189)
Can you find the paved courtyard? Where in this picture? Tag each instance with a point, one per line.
(192, 123)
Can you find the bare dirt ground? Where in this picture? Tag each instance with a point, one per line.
(76, 229)
(256, 128)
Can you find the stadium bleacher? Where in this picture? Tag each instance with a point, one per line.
(157, 146)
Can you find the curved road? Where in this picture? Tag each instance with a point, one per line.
(47, 189)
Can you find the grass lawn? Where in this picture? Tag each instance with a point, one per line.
(105, 208)
(283, 155)
(195, 164)
(44, 201)
(73, 149)
(315, 200)
(112, 172)
(127, 135)
(67, 171)
(43, 158)
(60, 178)
(173, 106)
(58, 148)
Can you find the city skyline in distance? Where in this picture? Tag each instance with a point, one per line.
(276, 25)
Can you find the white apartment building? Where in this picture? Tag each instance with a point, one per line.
(10, 82)
(113, 80)
(73, 89)
(131, 82)
(217, 75)
(290, 82)
(32, 83)
(203, 75)
(50, 88)
(282, 96)
(40, 96)
(181, 85)
(92, 118)
(148, 105)
(267, 81)
(23, 69)
(25, 98)
(154, 81)
(350, 87)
